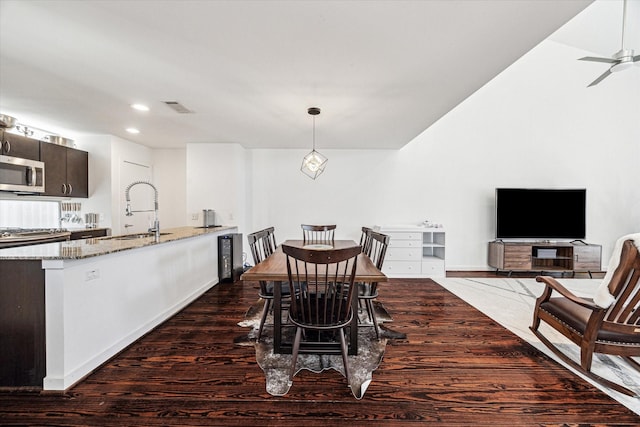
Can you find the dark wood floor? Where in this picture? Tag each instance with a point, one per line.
(456, 367)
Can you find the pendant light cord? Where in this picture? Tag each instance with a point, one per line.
(314, 133)
(314, 111)
(624, 14)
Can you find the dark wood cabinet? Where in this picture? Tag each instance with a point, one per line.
(90, 233)
(55, 164)
(545, 257)
(19, 146)
(66, 171)
(22, 324)
(77, 173)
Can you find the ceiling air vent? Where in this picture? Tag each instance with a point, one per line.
(177, 107)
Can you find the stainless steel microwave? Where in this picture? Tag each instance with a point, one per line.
(21, 175)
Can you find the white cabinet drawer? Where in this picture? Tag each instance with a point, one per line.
(405, 236)
(405, 243)
(403, 254)
(433, 268)
(394, 268)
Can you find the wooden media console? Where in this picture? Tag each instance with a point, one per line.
(545, 256)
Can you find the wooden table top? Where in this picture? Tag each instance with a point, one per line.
(274, 268)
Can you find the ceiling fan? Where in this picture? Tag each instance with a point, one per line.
(621, 60)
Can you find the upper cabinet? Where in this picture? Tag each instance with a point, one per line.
(66, 171)
(19, 146)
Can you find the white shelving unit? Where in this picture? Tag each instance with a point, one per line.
(414, 251)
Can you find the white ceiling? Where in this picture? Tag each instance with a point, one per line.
(381, 71)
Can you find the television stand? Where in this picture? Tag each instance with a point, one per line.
(558, 257)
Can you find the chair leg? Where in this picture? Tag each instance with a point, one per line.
(294, 354)
(265, 311)
(578, 367)
(345, 357)
(372, 315)
(586, 356)
(536, 321)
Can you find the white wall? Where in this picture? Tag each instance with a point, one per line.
(100, 177)
(216, 179)
(170, 178)
(535, 125)
(353, 191)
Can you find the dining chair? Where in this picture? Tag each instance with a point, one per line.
(318, 233)
(325, 304)
(365, 238)
(263, 244)
(376, 250)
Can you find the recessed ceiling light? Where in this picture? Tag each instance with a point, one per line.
(140, 107)
(132, 130)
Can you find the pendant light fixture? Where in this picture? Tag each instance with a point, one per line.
(313, 163)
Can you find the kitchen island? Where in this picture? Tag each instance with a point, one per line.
(67, 307)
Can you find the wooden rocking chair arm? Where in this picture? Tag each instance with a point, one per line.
(553, 284)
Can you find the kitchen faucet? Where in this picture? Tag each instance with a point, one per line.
(156, 224)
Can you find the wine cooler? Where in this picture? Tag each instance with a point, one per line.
(230, 257)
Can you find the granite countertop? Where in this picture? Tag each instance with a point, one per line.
(86, 248)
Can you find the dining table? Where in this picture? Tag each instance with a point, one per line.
(274, 269)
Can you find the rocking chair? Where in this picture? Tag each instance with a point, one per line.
(613, 330)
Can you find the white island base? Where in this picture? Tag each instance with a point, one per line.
(97, 306)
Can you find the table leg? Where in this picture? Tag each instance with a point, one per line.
(353, 344)
(277, 316)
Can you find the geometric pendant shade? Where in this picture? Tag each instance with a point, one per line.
(313, 163)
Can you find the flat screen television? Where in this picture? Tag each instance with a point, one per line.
(527, 213)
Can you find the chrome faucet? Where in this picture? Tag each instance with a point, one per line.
(128, 212)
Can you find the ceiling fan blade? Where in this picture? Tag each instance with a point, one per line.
(601, 78)
(595, 59)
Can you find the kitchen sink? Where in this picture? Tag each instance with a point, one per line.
(135, 236)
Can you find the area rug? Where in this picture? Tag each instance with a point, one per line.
(276, 366)
(510, 303)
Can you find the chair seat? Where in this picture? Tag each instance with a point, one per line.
(314, 315)
(285, 290)
(577, 316)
